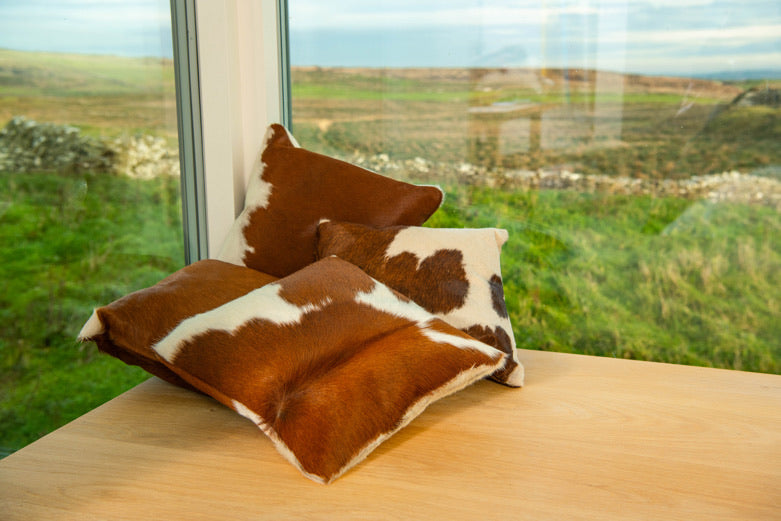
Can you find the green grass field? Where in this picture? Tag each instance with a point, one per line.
(660, 279)
(68, 244)
(102, 95)
(71, 242)
(665, 279)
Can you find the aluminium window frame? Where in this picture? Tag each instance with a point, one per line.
(232, 81)
(188, 115)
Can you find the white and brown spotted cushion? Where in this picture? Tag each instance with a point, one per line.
(127, 328)
(327, 362)
(291, 189)
(452, 272)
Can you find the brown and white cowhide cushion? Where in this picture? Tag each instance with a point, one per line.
(127, 328)
(291, 189)
(327, 362)
(452, 272)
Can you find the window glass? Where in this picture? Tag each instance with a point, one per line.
(631, 149)
(89, 195)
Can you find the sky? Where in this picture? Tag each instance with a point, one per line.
(114, 27)
(685, 37)
(652, 36)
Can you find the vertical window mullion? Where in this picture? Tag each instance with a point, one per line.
(193, 184)
(284, 65)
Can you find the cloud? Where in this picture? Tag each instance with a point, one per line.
(641, 35)
(431, 14)
(383, 14)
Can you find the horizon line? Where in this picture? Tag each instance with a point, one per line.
(714, 74)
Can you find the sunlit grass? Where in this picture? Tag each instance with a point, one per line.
(661, 279)
(69, 244)
(73, 75)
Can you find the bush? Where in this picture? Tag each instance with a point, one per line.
(29, 146)
(145, 157)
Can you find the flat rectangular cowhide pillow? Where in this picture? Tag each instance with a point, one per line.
(291, 189)
(328, 362)
(127, 328)
(452, 272)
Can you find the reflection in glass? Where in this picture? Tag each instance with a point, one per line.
(630, 148)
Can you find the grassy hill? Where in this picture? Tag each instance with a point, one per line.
(593, 122)
(71, 241)
(103, 95)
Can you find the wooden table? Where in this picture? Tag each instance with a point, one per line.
(587, 438)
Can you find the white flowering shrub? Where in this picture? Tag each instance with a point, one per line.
(27, 146)
(145, 157)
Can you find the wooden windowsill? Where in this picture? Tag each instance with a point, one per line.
(587, 438)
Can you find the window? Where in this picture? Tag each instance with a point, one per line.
(538, 124)
(89, 195)
(630, 148)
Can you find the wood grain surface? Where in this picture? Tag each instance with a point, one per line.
(587, 438)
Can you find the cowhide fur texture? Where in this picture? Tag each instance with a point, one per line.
(328, 362)
(291, 189)
(127, 328)
(454, 273)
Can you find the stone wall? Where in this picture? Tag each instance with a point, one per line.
(763, 189)
(29, 146)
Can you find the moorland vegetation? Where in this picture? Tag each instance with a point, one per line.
(652, 276)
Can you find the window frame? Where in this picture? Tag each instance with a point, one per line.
(188, 100)
(231, 84)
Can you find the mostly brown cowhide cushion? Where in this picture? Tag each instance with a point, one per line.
(127, 328)
(454, 273)
(328, 362)
(291, 189)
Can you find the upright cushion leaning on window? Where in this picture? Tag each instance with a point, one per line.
(292, 189)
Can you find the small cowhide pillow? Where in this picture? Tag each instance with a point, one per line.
(291, 189)
(327, 362)
(453, 273)
(127, 328)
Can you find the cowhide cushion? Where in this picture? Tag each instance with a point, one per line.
(327, 362)
(453, 273)
(291, 189)
(127, 328)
